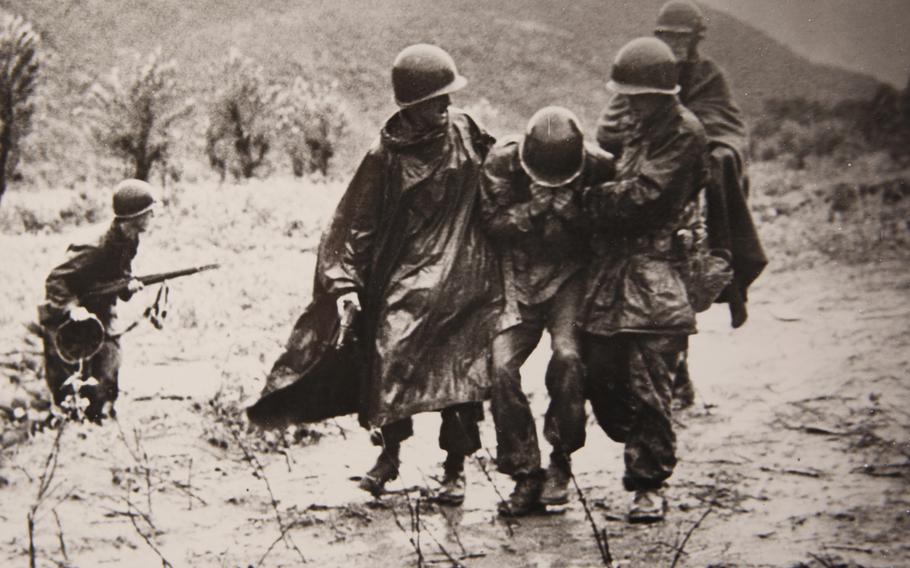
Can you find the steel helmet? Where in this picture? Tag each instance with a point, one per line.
(552, 150)
(681, 17)
(423, 71)
(644, 65)
(132, 198)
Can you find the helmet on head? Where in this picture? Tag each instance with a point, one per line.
(644, 65)
(552, 151)
(422, 72)
(132, 198)
(681, 17)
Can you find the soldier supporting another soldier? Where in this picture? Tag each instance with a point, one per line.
(67, 300)
(636, 313)
(705, 91)
(532, 211)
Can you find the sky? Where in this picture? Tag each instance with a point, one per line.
(871, 36)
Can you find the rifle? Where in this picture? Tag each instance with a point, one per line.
(120, 284)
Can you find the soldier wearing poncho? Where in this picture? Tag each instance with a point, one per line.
(636, 313)
(406, 248)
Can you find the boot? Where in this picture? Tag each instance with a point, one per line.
(384, 470)
(648, 506)
(452, 487)
(556, 486)
(525, 498)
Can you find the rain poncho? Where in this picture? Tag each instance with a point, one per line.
(406, 238)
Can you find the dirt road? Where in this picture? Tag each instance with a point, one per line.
(797, 454)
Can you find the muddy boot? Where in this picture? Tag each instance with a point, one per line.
(525, 498)
(647, 507)
(452, 487)
(556, 486)
(385, 470)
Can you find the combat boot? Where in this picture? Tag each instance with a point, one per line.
(648, 506)
(525, 498)
(452, 487)
(384, 470)
(556, 486)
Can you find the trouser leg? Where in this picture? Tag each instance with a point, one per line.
(564, 422)
(607, 385)
(105, 368)
(517, 451)
(459, 433)
(650, 452)
(56, 371)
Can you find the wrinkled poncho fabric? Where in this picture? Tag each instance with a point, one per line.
(704, 90)
(635, 285)
(406, 237)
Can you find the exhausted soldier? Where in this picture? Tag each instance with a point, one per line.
(637, 316)
(406, 250)
(705, 91)
(67, 300)
(532, 210)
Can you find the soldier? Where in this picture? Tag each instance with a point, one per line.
(405, 248)
(88, 265)
(532, 211)
(705, 91)
(636, 314)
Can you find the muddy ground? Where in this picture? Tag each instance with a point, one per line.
(796, 453)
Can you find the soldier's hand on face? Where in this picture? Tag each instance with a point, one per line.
(541, 199)
(344, 300)
(134, 285)
(78, 313)
(562, 201)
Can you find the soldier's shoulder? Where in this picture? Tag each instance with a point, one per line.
(708, 67)
(90, 238)
(503, 156)
(689, 124)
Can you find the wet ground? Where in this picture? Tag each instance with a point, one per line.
(795, 454)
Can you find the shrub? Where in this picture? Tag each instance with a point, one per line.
(132, 114)
(311, 120)
(19, 66)
(241, 119)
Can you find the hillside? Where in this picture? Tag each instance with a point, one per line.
(519, 55)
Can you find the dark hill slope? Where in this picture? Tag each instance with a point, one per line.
(519, 54)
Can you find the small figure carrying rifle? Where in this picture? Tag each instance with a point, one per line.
(81, 357)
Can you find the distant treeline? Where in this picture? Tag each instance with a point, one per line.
(797, 128)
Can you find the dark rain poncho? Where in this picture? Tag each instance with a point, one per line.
(406, 237)
(704, 90)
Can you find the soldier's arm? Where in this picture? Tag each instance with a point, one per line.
(345, 252)
(502, 216)
(71, 278)
(614, 125)
(666, 181)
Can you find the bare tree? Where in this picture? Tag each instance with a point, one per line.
(132, 113)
